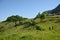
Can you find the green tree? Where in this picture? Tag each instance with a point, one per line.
(16, 19)
(38, 16)
(42, 16)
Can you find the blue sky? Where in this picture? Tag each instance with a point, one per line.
(25, 8)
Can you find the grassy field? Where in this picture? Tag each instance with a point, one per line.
(50, 30)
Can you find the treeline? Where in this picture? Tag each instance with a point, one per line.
(16, 20)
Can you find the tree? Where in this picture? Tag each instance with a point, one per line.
(42, 16)
(16, 19)
(37, 27)
(33, 23)
(38, 15)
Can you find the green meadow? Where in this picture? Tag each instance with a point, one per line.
(47, 28)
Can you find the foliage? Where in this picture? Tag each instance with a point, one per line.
(2, 29)
(42, 16)
(57, 21)
(38, 16)
(47, 30)
(29, 23)
(14, 18)
(37, 27)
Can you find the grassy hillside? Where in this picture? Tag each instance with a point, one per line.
(46, 29)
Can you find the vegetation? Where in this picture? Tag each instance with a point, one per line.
(28, 29)
(16, 19)
(42, 27)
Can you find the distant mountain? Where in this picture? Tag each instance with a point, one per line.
(54, 11)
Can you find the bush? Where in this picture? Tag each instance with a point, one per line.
(37, 28)
(52, 19)
(26, 24)
(33, 23)
(14, 18)
(2, 29)
(38, 15)
(57, 21)
(29, 23)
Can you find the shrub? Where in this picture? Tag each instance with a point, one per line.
(16, 19)
(29, 23)
(57, 21)
(26, 24)
(52, 19)
(37, 28)
(2, 29)
(38, 15)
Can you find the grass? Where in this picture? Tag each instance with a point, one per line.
(18, 33)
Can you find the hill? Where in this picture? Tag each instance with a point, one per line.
(42, 27)
(54, 11)
(32, 29)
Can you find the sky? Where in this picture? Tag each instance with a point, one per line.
(25, 8)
